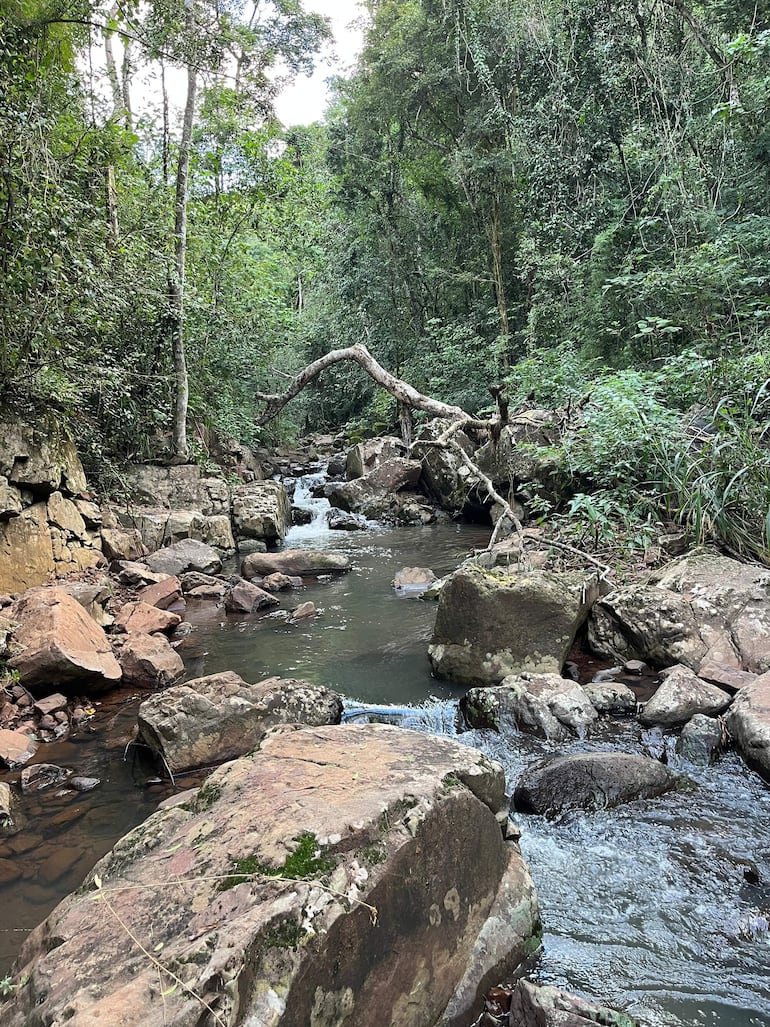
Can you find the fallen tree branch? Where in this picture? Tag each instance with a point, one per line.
(399, 389)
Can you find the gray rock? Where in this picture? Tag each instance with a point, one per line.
(245, 597)
(42, 775)
(294, 562)
(702, 740)
(490, 623)
(535, 1005)
(186, 555)
(84, 784)
(681, 695)
(413, 580)
(590, 781)
(261, 510)
(365, 457)
(544, 704)
(611, 697)
(341, 520)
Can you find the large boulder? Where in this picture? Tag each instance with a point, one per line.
(707, 611)
(63, 647)
(367, 456)
(748, 722)
(491, 623)
(731, 604)
(681, 695)
(646, 623)
(40, 457)
(141, 617)
(526, 454)
(445, 477)
(370, 494)
(547, 705)
(295, 563)
(177, 487)
(26, 550)
(341, 875)
(590, 780)
(261, 510)
(187, 555)
(216, 718)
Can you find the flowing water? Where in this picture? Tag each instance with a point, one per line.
(659, 907)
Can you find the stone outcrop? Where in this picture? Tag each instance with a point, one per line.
(594, 780)
(43, 530)
(444, 476)
(524, 455)
(748, 722)
(219, 717)
(681, 695)
(372, 494)
(403, 822)
(62, 646)
(294, 563)
(491, 623)
(261, 510)
(365, 457)
(707, 611)
(547, 705)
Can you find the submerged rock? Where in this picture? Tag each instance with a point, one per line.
(491, 623)
(216, 718)
(395, 859)
(594, 780)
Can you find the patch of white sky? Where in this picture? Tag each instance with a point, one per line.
(300, 102)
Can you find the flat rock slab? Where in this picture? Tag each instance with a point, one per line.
(590, 781)
(144, 618)
(400, 820)
(186, 555)
(748, 722)
(219, 717)
(63, 646)
(294, 562)
(535, 1005)
(16, 748)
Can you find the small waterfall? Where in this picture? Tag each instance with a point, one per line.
(304, 499)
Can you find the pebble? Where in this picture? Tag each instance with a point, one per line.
(84, 784)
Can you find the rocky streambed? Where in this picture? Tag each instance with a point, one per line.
(658, 906)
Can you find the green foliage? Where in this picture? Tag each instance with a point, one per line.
(306, 861)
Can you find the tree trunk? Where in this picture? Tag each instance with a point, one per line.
(176, 285)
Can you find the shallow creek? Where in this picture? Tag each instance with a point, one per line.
(650, 907)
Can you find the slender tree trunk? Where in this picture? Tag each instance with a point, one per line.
(112, 68)
(176, 288)
(125, 78)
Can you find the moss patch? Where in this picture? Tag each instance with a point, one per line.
(306, 861)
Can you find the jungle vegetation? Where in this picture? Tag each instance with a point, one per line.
(570, 197)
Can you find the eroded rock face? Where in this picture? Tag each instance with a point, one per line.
(261, 510)
(748, 722)
(63, 646)
(219, 717)
(594, 780)
(403, 821)
(491, 623)
(294, 562)
(681, 695)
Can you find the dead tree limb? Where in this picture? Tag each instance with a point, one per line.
(397, 388)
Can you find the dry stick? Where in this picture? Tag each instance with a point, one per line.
(101, 897)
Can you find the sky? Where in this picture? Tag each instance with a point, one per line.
(306, 100)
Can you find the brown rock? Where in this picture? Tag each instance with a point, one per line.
(148, 661)
(26, 552)
(51, 703)
(729, 678)
(164, 594)
(64, 514)
(246, 597)
(16, 748)
(681, 695)
(413, 579)
(122, 544)
(216, 591)
(422, 808)
(62, 644)
(61, 862)
(300, 562)
(280, 582)
(303, 611)
(9, 871)
(129, 572)
(141, 618)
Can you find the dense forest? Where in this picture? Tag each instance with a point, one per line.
(566, 196)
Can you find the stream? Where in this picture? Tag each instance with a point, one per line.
(659, 907)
